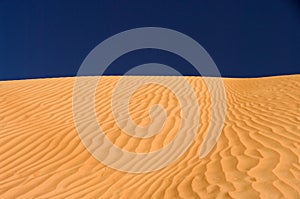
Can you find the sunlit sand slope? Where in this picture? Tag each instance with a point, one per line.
(257, 154)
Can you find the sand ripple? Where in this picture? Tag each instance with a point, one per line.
(257, 155)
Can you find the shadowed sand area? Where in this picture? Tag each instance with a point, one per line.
(257, 154)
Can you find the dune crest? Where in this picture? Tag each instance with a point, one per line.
(257, 154)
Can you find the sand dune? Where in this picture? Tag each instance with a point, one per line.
(256, 156)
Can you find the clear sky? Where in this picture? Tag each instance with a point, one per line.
(51, 38)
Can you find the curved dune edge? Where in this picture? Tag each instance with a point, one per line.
(257, 155)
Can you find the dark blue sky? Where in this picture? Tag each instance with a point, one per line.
(247, 38)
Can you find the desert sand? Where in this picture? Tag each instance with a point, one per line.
(256, 156)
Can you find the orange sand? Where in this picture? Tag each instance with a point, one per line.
(257, 155)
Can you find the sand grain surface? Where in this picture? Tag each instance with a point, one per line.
(256, 156)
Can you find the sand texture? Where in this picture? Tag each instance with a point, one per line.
(256, 156)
